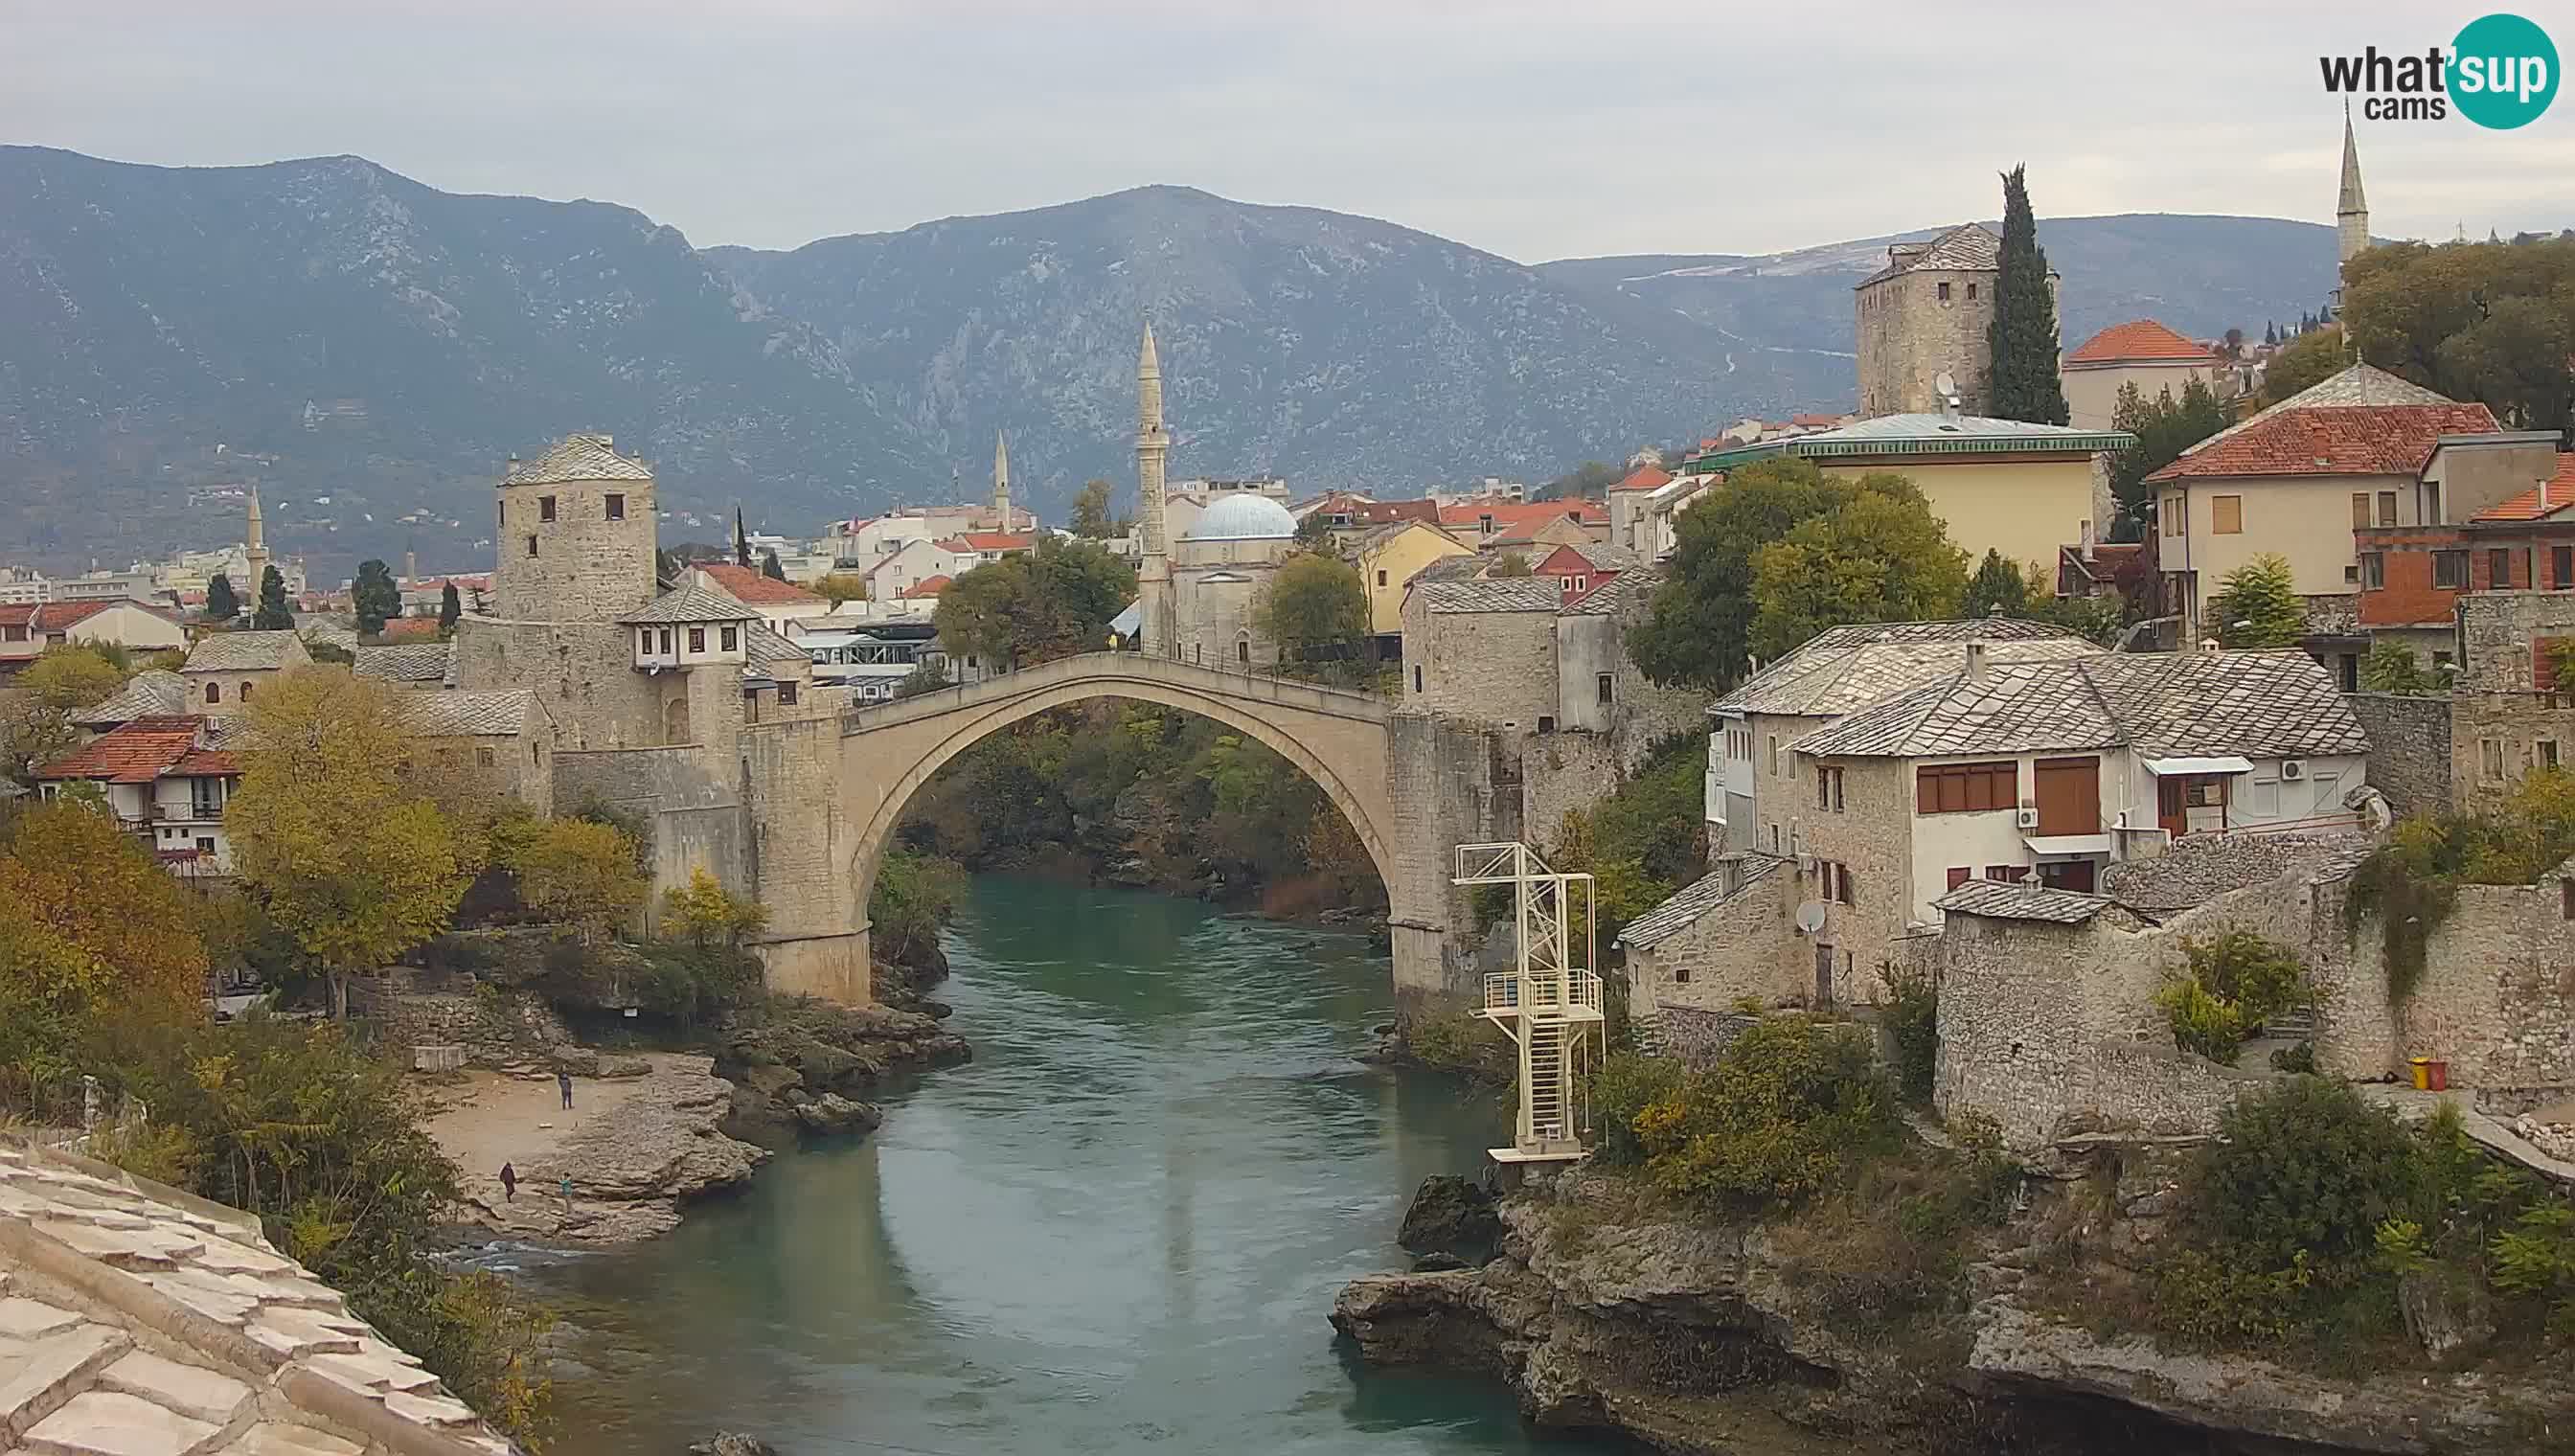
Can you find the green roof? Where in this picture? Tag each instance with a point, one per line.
(1924, 434)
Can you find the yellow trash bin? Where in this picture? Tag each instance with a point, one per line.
(2422, 1066)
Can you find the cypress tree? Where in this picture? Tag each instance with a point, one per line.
(2023, 339)
(221, 603)
(740, 540)
(770, 567)
(449, 608)
(271, 615)
(375, 595)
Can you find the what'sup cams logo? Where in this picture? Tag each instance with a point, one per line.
(2502, 73)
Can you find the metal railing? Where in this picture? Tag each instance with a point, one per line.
(1504, 991)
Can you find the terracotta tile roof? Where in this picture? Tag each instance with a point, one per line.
(2332, 440)
(1816, 422)
(752, 587)
(926, 586)
(2539, 500)
(575, 458)
(410, 630)
(1644, 477)
(997, 541)
(207, 764)
(1383, 512)
(2138, 339)
(137, 752)
(1519, 515)
(2362, 384)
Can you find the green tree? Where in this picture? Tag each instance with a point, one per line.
(914, 897)
(2491, 322)
(221, 603)
(451, 609)
(770, 567)
(1511, 564)
(2305, 361)
(1314, 607)
(1997, 587)
(323, 650)
(272, 614)
(2392, 667)
(347, 858)
(36, 719)
(1882, 555)
(1590, 480)
(2165, 427)
(2022, 337)
(1699, 628)
(1315, 533)
(1037, 606)
(927, 678)
(377, 597)
(2258, 606)
(1091, 518)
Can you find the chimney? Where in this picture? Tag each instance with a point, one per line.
(1975, 662)
(2087, 541)
(2208, 644)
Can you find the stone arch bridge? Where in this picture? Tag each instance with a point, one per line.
(1412, 785)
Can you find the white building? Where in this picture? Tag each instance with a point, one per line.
(165, 781)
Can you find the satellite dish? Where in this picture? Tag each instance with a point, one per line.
(1810, 918)
(1947, 383)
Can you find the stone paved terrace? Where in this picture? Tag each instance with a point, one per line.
(136, 1320)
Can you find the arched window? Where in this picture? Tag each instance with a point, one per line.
(245, 693)
(213, 693)
(1243, 650)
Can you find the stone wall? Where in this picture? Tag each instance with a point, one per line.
(1449, 783)
(803, 859)
(586, 567)
(1907, 334)
(585, 672)
(1872, 835)
(2497, 736)
(2409, 748)
(2496, 629)
(691, 818)
(1489, 667)
(2496, 999)
(495, 1028)
(1744, 949)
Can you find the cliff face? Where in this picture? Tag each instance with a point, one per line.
(1706, 1338)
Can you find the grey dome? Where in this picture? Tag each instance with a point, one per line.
(1242, 518)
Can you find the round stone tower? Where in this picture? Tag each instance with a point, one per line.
(577, 535)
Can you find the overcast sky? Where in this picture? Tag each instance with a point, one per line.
(1533, 129)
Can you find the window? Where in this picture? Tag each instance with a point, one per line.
(2449, 570)
(213, 693)
(1774, 754)
(1545, 723)
(1959, 875)
(2544, 752)
(1380, 575)
(644, 641)
(667, 649)
(2490, 760)
(205, 844)
(2561, 566)
(2373, 569)
(2204, 790)
(2175, 513)
(786, 694)
(532, 544)
(1944, 293)
(501, 515)
(535, 754)
(2388, 507)
(697, 639)
(1972, 293)
(2005, 874)
(1680, 974)
(1828, 790)
(544, 507)
(1966, 788)
(1605, 685)
(2360, 509)
(2441, 666)
(1484, 524)
(1775, 838)
(485, 757)
(2226, 515)
(2499, 570)
(616, 506)
(728, 638)
(2351, 573)
(2431, 502)
(1416, 676)
(1242, 650)
(245, 693)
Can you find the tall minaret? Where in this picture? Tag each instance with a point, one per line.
(1153, 445)
(2351, 212)
(255, 551)
(1001, 481)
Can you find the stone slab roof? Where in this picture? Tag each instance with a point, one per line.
(575, 458)
(762, 643)
(1968, 247)
(1493, 593)
(1692, 900)
(156, 692)
(243, 652)
(690, 604)
(411, 662)
(2163, 704)
(136, 1320)
(1999, 901)
(455, 714)
(1846, 668)
(1628, 589)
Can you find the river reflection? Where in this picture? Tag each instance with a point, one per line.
(1120, 1227)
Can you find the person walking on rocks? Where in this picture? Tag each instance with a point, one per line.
(563, 1079)
(509, 1183)
(567, 1198)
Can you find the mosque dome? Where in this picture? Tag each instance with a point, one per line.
(1242, 518)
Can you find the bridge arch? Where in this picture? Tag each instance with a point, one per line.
(1337, 738)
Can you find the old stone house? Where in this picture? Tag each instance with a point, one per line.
(1926, 314)
(166, 781)
(226, 668)
(493, 745)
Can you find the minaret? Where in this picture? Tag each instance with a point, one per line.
(255, 551)
(1001, 481)
(2351, 212)
(1153, 445)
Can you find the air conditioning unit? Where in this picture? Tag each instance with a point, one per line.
(1805, 865)
(2027, 819)
(2293, 769)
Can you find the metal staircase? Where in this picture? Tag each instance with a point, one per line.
(1548, 1003)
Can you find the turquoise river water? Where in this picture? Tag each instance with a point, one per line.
(1119, 1229)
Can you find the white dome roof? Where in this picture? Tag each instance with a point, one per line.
(1242, 518)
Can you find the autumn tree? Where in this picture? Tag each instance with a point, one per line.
(705, 914)
(221, 603)
(272, 614)
(840, 586)
(1999, 586)
(2258, 606)
(2023, 339)
(582, 872)
(350, 860)
(376, 596)
(36, 721)
(87, 918)
(1314, 607)
(2488, 322)
(1880, 555)
(1091, 518)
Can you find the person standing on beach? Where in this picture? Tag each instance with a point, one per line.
(563, 1079)
(509, 1183)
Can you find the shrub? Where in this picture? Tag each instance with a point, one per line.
(2202, 1023)
(2201, 1300)
(582, 874)
(1913, 1021)
(2235, 981)
(1628, 1083)
(2306, 1168)
(1790, 1109)
(705, 913)
(914, 897)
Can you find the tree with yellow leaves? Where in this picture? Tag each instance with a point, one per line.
(581, 872)
(354, 865)
(86, 920)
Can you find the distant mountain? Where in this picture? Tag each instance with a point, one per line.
(369, 349)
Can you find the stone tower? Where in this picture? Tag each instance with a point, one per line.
(2351, 211)
(1001, 481)
(1152, 447)
(577, 535)
(1926, 314)
(255, 552)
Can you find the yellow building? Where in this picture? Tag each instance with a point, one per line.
(2002, 485)
(1389, 556)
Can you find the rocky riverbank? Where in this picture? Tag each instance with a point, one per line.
(1696, 1337)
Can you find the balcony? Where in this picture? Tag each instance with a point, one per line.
(1571, 997)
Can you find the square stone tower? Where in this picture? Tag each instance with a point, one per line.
(1924, 312)
(577, 535)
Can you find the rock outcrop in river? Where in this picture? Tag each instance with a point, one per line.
(631, 1172)
(1702, 1338)
(791, 1055)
